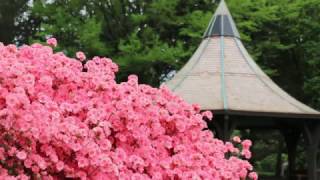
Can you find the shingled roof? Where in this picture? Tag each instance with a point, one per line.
(221, 76)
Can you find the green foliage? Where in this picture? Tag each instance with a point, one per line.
(10, 13)
(148, 38)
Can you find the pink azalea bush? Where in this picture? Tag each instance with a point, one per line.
(61, 119)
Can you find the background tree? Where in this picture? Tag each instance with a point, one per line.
(148, 38)
(10, 11)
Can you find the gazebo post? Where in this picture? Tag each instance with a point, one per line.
(228, 127)
(312, 134)
(216, 128)
(291, 137)
(311, 160)
(279, 160)
(223, 126)
(226, 133)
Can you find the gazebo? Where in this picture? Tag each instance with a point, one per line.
(222, 77)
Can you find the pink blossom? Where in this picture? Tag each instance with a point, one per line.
(80, 55)
(243, 173)
(60, 165)
(12, 151)
(246, 144)
(35, 169)
(27, 163)
(246, 153)
(52, 42)
(207, 114)
(236, 139)
(2, 154)
(23, 177)
(253, 175)
(22, 155)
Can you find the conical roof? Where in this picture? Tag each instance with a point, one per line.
(222, 23)
(221, 76)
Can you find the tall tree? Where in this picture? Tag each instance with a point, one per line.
(10, 11)
(148, 38)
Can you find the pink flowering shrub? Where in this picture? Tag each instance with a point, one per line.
(61, 119)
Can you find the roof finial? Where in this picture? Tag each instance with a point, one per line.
(222, 23)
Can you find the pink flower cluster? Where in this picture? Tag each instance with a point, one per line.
(81, 56)
(61, 119)
(52, 42)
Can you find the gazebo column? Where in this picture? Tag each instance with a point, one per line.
(224, 126)
(291, 137)
(311, 160)
(312, 135)
(278, 172)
